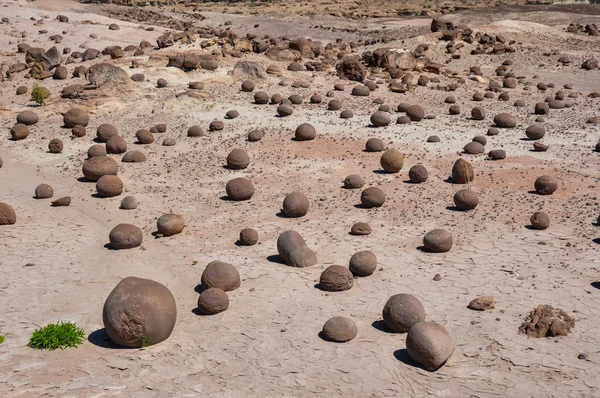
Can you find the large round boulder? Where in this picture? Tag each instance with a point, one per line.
(293, 250)
(116, 144)
(336, 278)
(339, 329)
(402, 311)
(248, 237)
(27, 118)
(220, 275)
(418, 174)
(392, 161)
(19, 132)
(44, 191)
(380, 119)
(545, 185)
(305, 132)
(7, 214)
(505, 120)
(437, 241)
(125, 236)
(98, 166)
(466, 199)
(535, 131)
(354, 181)
(212, 301)
(106, 131)
(238, 159)
(239, 189)
(374, 145)
(372, 197)
(170, 224)
(76, 117)
(415, 113)
(540, 220)
(139, 312)
(108, 186)
(429, 344)
(462, 172)
(295, 204)
(363, 263)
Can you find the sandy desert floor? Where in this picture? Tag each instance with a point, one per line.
(55, 264)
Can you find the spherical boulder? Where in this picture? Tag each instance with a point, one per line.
(305, 132)
(125, 236)
(96, 150)
(76, 117)
(170, 224)
(239, 189)
(374, 145)
(256, 135)
(44, 191)
(19, 132)
(429, 344)
(492, 131)
(380, 119)
(545, 185)
(372, 197)
(248, 86)
(466, 199)
(481, 139)
(109, 186)
(216, 125)
(535, 132)
(418, 174)
(139, 312)
(55, 145)
(360, 228)
(212, 301)
(505, 120)
(354, 181)
(497, 154)
(129, 203)
(336, 278)
(105, 131)
(261, 98)
(474, 148)
(392, 161)
(339, 329)
(293, 250)
(7, 214)
(542, 108)
(416, 113)
(232, 114)
(462, 172)
(295, 205)
(134, 156)
(116, 144)
(220, 275)
(78, 131)
(478, 113)
(334, 105)
(195, 131)
(540, 220)
(161, 83)
(363, 263)
(402, 311)
(284, 110)
(98, 166)
(238, 159)
(27, 118)
(437, 241)
(248, 237)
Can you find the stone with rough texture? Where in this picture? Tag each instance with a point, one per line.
(295, 205)
(248, 237)
(540, 220)
(336, 278)
(402, 311)
(170, 224)
(372, 197)
(418, 174)
(239, 189)
(339, 329)
(545, 185)
(220, 275)
(98, 166)
(437, 241)
(430, 345)
(7, 214)
(462, 172)
(363, 263)
(213, 301)
(547, 321)
(108, 186)
(125, 236)
(392, 161)
(360, 228)
(466, 199)
(482, 303)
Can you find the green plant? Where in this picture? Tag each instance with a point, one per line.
(1, 339)
(57, 335)
(39, 94)
(145, 342)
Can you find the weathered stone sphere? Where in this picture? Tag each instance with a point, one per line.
(220, 275)
(21, 90)
(520, 104)
(542, 108)
(392, 161)
(339, 329)
(336, 278)
(380, 119)
(433, 138)
(372, 197)
(212, 301)
(232, 114)
(481, 139)
(415, 113)
(295, 99)
(540, 220)
(238, 159)
(295, 204)
(96, 150)
(161, 83)
(44, 191)
(505, 120)
(7, 214)
(195, 131)
(239, 189)
(27, 118)
(76, 117)
(535, 132)
(374, 145)
(429, 344)
(108, 186)
(216, 125)
(363, 263)
(169, 141)
(139, 312)
(129, 203)
(497, 154)
(539, 147)
(466, 199)
(78, 131)
(256, 135)
(55, 146)
(418, 174)
(293, 250)
(334, 105)
(134, 156)
(98, 166)
(454, 110)
(545, 185)
(248, 237)
(402, 311)
(437, 241)
(284, 110)
(305, 132)
(170, 224)
(316, 99)
(125, 236)
(261, 98)
(105, 131)
(19, 132)
(276, 99)
(493, 131)
(248, 86)
(361, 91)
(462, 172)
(116, 144)
(354, 181)
(474, 148)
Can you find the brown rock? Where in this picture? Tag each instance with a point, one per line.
(129, 203)
(354, 181)
(170, 224)
(339, 329)
(27, 118)
(213, 301)
(220, 275)
(106, 131)
(55, 146)
(374, 145)
(96, 150)
(540, 220)
(336, 278)
(429, 344)
(482, 303)
(116, 144)
(98, 166)
(505, 120)
(134, 156)
(144, 136)
(293, 250)
(360, 228)
(248, 237)
(545, 185)
(76, 117)
(238, 159)
(239, 189)
(295, 205)
(466, 199)
(7, 214)
(372, 197)
(462, 172)
(305, 132)
(392, 161)
(402, 311)
(418, 174)
(535, 131)
(19, 132)
(44, 191)
(363, 263)
(437, 241)
(415, 113)
(125, 236)
(547, 321)
(380, 119)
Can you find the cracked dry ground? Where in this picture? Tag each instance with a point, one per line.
(54, 265)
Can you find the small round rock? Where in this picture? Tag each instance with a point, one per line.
(44, 191)
(336, 278)
(402, 311)
(437, 241)
(540, 220)
(212, 301)
(339, 329)
(248, 237)
(363, 263)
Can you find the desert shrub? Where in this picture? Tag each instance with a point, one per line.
(57, 335)
(39, 94)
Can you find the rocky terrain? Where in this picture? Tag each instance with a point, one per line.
(259, 205)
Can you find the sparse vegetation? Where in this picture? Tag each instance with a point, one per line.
(57, 335)
(39, 94)
(1, 339)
